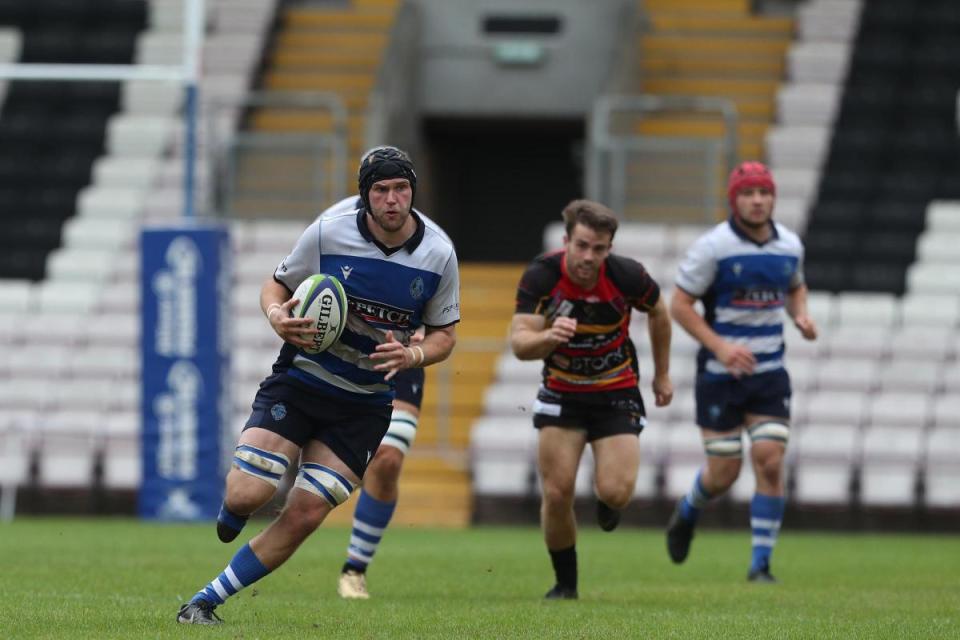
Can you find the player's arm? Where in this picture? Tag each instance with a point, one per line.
(660, 329)
(276, 302)
(532, 339)
(737, 358)
(797, 310)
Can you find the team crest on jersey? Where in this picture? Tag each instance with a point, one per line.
(715, 412)
(416, 288)
(278, 411)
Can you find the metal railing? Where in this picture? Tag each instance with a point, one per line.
(392, 114)
(662, 178)
(288, 173)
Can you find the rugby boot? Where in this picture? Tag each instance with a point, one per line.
(561, 593)
(679, 536)
(607, 518)
(353, 585)
(761, 576)
(198, 612)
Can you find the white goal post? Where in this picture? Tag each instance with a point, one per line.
(187, 74)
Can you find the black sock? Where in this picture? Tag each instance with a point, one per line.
(565, 566)
(352, 567)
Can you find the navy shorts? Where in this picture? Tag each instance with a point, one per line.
(599, 413)
(722, 404)
(409, 386)
(352, 430)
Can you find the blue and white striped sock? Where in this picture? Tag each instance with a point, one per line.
(243, 570)
(370, 520)
(696, 499)
(766, 515)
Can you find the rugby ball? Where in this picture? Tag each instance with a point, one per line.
(323, 300)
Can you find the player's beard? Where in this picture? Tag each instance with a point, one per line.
(753, 224)
(390, 224)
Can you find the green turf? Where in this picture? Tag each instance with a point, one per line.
(63, 578)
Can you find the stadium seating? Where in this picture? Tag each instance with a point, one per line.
(872, 396)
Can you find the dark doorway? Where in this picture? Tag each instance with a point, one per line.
(496, 184)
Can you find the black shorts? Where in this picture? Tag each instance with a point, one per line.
(352, 430)
(599, 413)
(722, 404)
(409, 386)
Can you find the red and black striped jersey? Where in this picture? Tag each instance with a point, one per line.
(601, 356)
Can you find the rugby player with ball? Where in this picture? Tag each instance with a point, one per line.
(346, 302)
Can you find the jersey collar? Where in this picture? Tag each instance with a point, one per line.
(410, 245)
(743, 234)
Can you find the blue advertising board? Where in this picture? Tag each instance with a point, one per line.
(185, 297)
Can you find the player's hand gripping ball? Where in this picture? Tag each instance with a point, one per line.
(323, 300)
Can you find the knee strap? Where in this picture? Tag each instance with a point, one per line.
(269, 466)
(773, 431)
(402, 431)
(724, 446)
(324, 482)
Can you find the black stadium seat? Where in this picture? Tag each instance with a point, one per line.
(894, 146)
(52, 132)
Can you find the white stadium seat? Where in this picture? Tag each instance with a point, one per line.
(79, 265)
(946, 411)
(943, 215)
(510, 400)
(138, 136)
(833, 407)
(910, 375)
(798, 147)
(856, 341)
(95, 233)
(888, 485)
(918, 309)
(16, 295)
(909, 412)
(933, 278)
(932, 343)
(827, 22)
(847, 374)
(862, 309)
(111, 203)
(823, 63)
(808, 104)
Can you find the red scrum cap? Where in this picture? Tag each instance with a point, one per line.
(749, 174)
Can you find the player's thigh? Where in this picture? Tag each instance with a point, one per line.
(324, 479)
(617, 459)
(260, 460)
(768, 441)
(724, 452)
(559, 450)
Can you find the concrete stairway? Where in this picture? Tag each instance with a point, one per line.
(709, 48)
(330, 50)
(435, 484)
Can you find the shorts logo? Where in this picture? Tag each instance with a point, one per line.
(416, 288)
(715, 411)
(278, 411)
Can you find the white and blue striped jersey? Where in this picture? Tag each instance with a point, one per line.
(396, 289)
(743, 286)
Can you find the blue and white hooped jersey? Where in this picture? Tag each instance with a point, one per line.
(743, 286)
(396, 289)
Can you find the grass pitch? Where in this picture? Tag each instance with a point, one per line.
(70, 578)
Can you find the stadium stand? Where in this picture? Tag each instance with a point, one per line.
(876, 398)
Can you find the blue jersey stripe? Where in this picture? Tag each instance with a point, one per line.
(748, 331)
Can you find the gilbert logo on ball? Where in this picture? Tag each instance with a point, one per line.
(323, 300)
